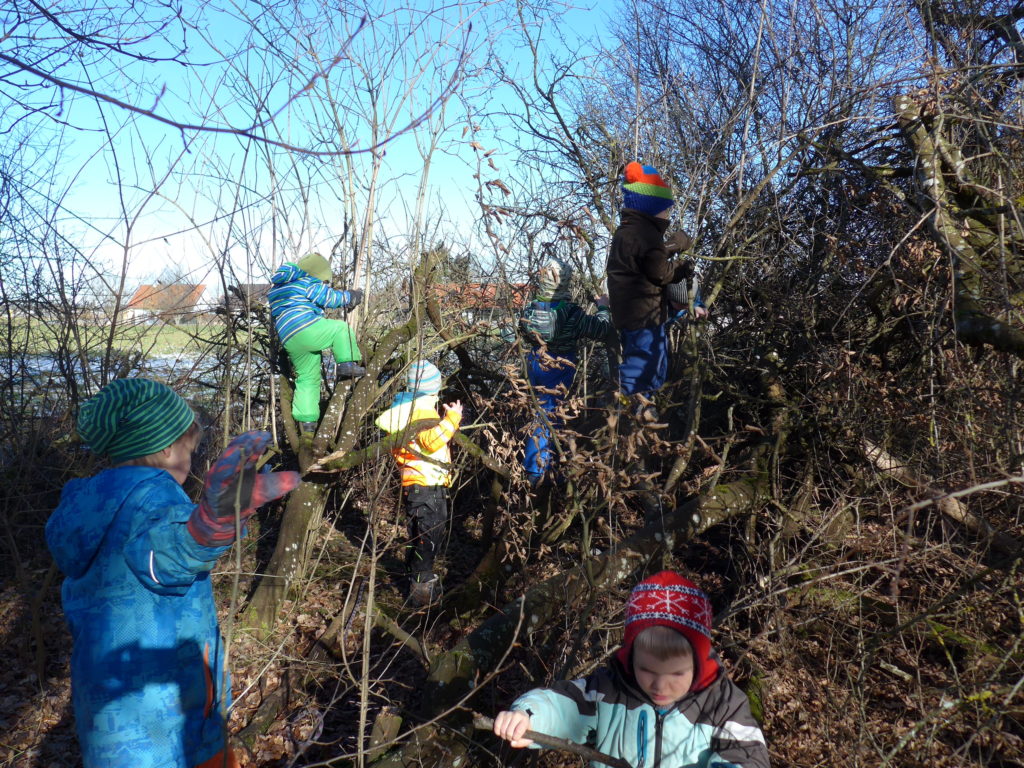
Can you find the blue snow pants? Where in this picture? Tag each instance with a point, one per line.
(552, 374)
(644, 365)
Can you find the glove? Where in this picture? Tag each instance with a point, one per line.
(355, 297)
(233, 483)
(678, 242)
(683, 271)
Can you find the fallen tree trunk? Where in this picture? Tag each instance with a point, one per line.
(945, 502)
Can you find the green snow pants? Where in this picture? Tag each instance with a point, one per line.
(304, 350)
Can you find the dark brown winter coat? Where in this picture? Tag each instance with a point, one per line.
(638, 271)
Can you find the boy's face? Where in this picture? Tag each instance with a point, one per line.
(178, 457)
(665, 681)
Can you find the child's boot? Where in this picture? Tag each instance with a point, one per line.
(426, 592)
(351, 370)
(307, 430)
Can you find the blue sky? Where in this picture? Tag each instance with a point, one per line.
(110, 155)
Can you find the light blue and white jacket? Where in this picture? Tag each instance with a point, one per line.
(149, 684)
(709, 728)
(298, 300)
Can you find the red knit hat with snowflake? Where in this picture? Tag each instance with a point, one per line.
(667, 599)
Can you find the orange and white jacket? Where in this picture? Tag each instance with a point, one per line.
(426, 458)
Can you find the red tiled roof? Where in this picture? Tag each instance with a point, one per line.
(481, 295)
(179, 297)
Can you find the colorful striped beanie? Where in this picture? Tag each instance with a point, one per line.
(316, 265)
(130, 418)
(667, 599)
(424, 378)
(645, 190)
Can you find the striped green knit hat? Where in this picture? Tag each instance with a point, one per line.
(130, 418)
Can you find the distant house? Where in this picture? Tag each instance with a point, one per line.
(244, 295)
(481, 301)
(175, 303)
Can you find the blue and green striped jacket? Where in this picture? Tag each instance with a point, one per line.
(298, 300)
(575, 324)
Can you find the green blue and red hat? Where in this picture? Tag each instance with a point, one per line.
(645, 190)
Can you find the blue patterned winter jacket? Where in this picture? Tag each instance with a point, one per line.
(298, 300)
(148, 680)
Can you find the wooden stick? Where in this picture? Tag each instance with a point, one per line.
(485, 723)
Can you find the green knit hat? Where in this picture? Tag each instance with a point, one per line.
(133, 417)
(316, 265)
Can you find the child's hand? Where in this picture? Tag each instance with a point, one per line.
(455, 408)
(355, 298)
(602, 300)
(699, 313)
(511, 726)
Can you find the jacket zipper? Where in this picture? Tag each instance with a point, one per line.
(658, 720)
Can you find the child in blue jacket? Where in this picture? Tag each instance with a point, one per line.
(297, 302)
(663, 701)
(551, 362)
(148, 682)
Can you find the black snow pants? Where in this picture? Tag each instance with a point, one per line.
(426, 509)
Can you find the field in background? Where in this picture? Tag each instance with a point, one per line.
(152, 339)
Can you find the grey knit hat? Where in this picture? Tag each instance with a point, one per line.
(553, 280)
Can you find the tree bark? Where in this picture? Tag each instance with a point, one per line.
(943, 192)
(305, 506)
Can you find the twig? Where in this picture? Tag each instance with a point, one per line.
(485, 723)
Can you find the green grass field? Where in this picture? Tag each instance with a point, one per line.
(37, 337)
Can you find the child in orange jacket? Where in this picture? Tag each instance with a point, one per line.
(425, 466)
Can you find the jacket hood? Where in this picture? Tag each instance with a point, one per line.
(77, 528)
(406, 408)
(287, 273)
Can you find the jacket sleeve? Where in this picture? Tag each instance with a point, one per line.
(323, 295)
(596, 326)
(737, 741)
(161, 552)
(430, 440)
(659, 270)
(682, 270)
(564, 710)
